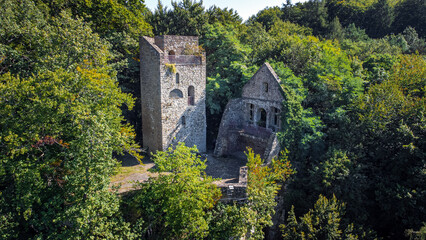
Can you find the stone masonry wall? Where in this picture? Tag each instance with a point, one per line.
(168, 43)
(235, 191)
(192, 130)
(236, 131)
(254, 88)
(257, 144)
(251, 121)
(273, 148)
(169, 114)
(258, 104)
(230, 123)
(150, 56)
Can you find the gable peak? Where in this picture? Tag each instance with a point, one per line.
(269, 68)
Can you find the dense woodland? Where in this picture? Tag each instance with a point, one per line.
(353, 125)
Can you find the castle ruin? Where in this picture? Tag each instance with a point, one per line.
(173, 89)
(254, 119)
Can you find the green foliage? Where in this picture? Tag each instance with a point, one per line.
(187, 18)
(353, 118)
(173, 205)
(171, 67)
(59, 132)
(227, 221)
(415, 44)
(410, 13)
(223, 46)
(336, 30)
(364, 49)
(377, 67)
(391, 128)
(312, 14)
(31, 42)
(282, 29)
(355, 33)
(335, 168)
(106, 17)
(223, 16)
(119, 23)
(417, 235)
(260, 42)
(262, 189)
(267, 17)
(61, 121)
(322, 222)
(380, 17)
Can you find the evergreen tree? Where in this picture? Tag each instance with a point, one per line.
(379, 19)
(336, 30)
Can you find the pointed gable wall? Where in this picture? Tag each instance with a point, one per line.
(264, 85)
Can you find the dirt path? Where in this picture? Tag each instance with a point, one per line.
(225, 169)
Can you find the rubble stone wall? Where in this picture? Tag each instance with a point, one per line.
(175, 43)
(255, 87)
(173, 93)
(192, 130)
(253, 120)
(150, 56)
(227, 137)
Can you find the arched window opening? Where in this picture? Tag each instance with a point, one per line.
(262, 118)
(176, 93)
(191, 97)
(171, 52)
(177, 78)
(251, 113)
(265, 87)
(276, 118)
(183, 120)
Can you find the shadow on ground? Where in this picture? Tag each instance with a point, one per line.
(226, 168)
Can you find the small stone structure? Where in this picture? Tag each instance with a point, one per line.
(253, 120)
(173, 88)
(232, 192)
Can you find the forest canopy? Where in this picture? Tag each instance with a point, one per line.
(353, 75)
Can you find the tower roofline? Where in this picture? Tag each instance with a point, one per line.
(151, 42)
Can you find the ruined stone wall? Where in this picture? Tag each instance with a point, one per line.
(177, 44)
(257, 144)
(255, 88)
(150, 56)
(253, 120)
(231, 122)
(191, 129)
(268, 106)
(173, 93)
(273, 148)
(235, 191)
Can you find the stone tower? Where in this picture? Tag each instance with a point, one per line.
(173, 88)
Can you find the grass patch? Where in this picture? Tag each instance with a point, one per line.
(124, 172)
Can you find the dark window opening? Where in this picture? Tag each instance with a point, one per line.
(177, 78)
(265, 87)
(251, 106)
(183, 120)
(276, 118)
(191, 97)
(262, 118)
